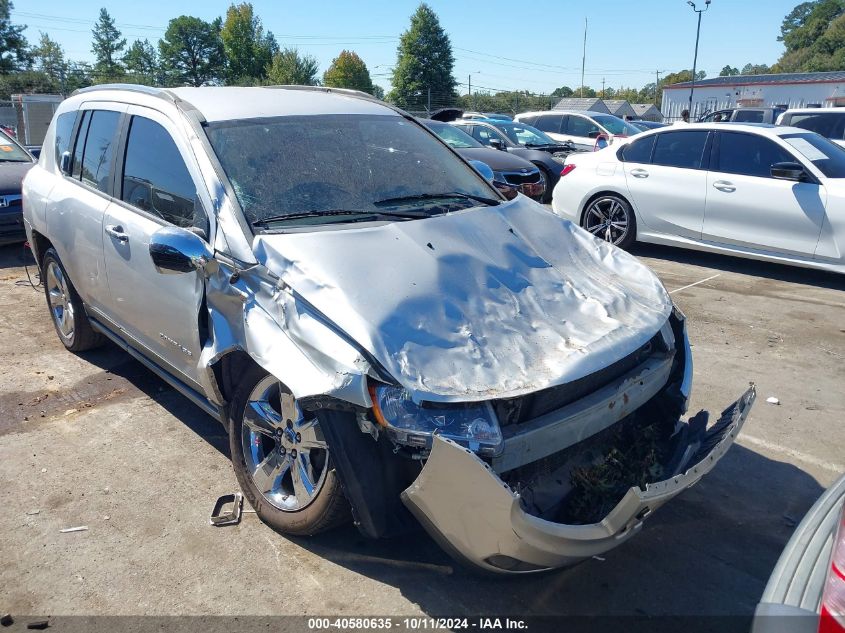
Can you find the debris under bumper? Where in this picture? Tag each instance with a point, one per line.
(480, 519)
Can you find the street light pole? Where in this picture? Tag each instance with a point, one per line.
(695, 58)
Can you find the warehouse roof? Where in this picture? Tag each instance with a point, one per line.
(776, 78)
(587, 103)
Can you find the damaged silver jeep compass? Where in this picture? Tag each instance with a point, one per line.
(387, 339)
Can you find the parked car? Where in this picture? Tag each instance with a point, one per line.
(487, 115)
(580, 128)
(15, 162)
(513, 170)
(523, 141)
(829, 122)
(806, 591)
(743, 115)
(647, 125)
(376, 327)
(757, 191)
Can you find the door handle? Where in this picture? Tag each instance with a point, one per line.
(639, 173)
(724, 185)
(116, 231)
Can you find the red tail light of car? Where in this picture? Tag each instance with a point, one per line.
(833, 601)
(567, 169)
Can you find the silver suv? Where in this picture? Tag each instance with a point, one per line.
(378, 329)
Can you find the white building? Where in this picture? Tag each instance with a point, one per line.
(793, 90)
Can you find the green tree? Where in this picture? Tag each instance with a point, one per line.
(728, 71)
(106, 47)
(141, 62)
(807, 22)
(424, 62)
(191, 51)
(563, 92)
(14, 49)
(289, 68)
(755, 69)
(248, 50)
(348, 71)
(49, 57)
(814, 37)
(378, 91)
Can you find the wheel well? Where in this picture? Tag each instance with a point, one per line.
(39, 246)
(599, 195)
(228, 369)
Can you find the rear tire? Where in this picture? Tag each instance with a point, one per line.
(66, 308)
(611, 218)
(281, 459)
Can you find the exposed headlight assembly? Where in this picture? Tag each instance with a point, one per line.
(473, 425)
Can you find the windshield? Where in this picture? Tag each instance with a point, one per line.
(336, 165)
(615, 125)
(525, 134)
(827, 156)
(11, 151)
(453, 136)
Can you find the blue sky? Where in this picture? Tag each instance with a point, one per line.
(535, 47)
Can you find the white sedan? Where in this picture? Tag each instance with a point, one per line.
(764, 192)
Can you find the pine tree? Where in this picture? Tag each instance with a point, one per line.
(290, 68)
(191, 51)
(424, 63)
(106, 47)
(248, 49)
(14, 49)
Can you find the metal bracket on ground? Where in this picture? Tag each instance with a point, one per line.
(220, 518)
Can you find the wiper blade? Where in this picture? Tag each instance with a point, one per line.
(436, 196)
(362, 216)
(306, 214)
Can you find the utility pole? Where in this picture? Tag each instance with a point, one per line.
(656, 87)
(469, 83)
(429, 101)
(602, 87)
(584, 58)
(695, 58)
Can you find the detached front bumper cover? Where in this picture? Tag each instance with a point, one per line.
(476, 517)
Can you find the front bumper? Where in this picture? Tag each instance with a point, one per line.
(479, 519)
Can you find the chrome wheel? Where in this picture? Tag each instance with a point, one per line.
(607, 218)
(286, 454)
(61, 306)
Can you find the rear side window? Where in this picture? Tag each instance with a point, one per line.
(829, 124)
(549, 123)
(749, 155)
(680, 149)
(99, 149)
(155, 177)
(581, 126)
(748, 116)
(529, 120)
(639, 151)
(64, 128)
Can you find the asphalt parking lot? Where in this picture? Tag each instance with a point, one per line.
(95, 440)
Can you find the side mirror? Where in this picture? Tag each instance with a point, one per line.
(65, 163)
(177, 250)
(497, 143)
(788, 171)
(483, 169)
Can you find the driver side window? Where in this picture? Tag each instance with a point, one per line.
(580, 126)
(156, 179)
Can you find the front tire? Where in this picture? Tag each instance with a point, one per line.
(66, 308)
(281, 459)
(546, 178)
(611, 218)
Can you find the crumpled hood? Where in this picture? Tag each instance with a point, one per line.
(489, 302)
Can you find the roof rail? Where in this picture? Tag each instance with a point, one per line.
(344, 91)
(149, 90)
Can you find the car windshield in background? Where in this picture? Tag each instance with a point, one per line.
(615, 125)
(827, 156)
(341, 168)
(525, 134)
(453, 136)
(11, 151)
